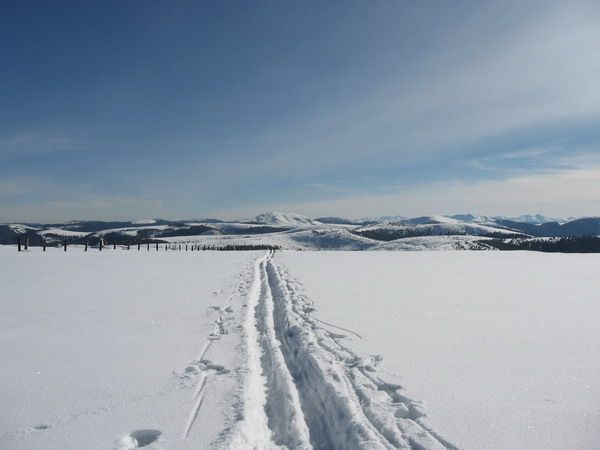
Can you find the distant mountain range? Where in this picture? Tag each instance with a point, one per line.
(298, 232)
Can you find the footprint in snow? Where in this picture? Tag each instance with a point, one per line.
(138, 439)
(218, 369)
(205, 365)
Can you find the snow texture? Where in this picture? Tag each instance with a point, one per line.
(502, 347)
(324, 350)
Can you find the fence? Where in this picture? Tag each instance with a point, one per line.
(156, 246)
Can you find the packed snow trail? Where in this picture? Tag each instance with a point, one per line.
(304, 389)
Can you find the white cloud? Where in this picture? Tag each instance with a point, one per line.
(555, 193)
(16, 187)
(534, 72)
(83, 206)
(40, 141)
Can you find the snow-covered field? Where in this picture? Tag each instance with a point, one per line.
(98, 345)
(502, 348)
(177, 350)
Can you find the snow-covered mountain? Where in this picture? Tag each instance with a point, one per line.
(536, 219)
(280, 219)
(298, 232)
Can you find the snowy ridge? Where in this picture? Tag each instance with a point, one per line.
(443, 229)
(436, 243)
(283, 219)
(305, 389)
(291, 231)
(61, 232)
(20, 228)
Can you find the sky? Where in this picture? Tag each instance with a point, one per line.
(192, 109)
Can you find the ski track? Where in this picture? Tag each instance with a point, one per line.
(304, 389)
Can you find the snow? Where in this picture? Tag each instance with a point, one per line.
(447, 228)
(61, 232)
(431, 220)
(434, 243)
(304, 388)
(296, 239)
(20, 228)
(538, 219)
(334, 239)
(132, 231)
(297, 232)
(99, 346)
(502, 347)
(344, 350)
(283, 219)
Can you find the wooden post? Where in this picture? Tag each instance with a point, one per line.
(166, 247)
(114, 245)
(100, 245)
(148, 246)
(86, 245)
(27, 243)
(65, 244)
(44, 244)
(19, 244)
(186, 247)
(157, 246)
(179, 247)
(127, 246)
(139, 244)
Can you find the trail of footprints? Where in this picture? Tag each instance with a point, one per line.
(202, 369)
(319, 394)
(196, 372)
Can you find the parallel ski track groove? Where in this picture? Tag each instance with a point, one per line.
(315, 392)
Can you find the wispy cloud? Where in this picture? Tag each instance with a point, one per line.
(74, 206)
(15, 187)
(407, 104)
(514, 160)
(41, 141)
(532, 73)
(566, 193)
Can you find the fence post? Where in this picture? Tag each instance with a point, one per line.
(114, 245)
(127, 246)
(65, 244)
(100, 245)
(26, 243)
(157, 246)
(139, 244)
(44, 244)
(19, 244)
(86, 245)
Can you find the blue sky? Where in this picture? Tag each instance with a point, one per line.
(189, 109)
